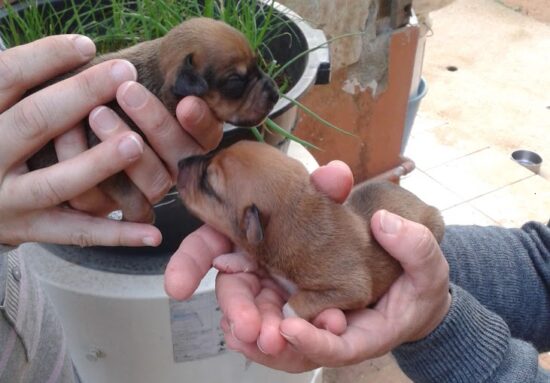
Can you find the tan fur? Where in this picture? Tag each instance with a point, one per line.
(324, 248)
(218, 51)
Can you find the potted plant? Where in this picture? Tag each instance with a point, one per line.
(280, 36)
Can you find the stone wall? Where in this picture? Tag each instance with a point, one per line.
(369, 88)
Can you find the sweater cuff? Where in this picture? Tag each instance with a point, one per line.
(467, 346)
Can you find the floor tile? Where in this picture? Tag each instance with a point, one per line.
(380, 370)
(428, 190)
(433, 145)
(479, 173)
(466, 214)
(518, 203)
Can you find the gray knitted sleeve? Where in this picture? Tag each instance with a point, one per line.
(499, 318)
(471, 345)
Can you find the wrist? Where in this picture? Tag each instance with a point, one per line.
(436, 318)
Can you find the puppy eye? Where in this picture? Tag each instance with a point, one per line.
(206, 186)
(233, 86)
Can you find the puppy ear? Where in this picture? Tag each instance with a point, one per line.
(252, 225)
(189, 81)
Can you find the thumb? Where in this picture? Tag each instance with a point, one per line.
(334, 179)
(412, 244)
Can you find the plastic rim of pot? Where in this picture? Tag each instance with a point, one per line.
(412, 110)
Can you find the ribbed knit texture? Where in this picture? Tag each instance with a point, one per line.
(469, 346)
(507, 271)
(500, 308)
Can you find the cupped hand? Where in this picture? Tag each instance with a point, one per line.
(251, 304)
(413, 307)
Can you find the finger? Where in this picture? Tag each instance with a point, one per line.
(321, 346)
(148, 173)
(270, 304)
(162, 130)
(192, 260)
(412, 244)
(315, 344)
(236, 262)
(197, 120)
(69, 145)
(63, 181)
(289, 360)
(236, 295)
(26, 66)
(332, 320)
(40, 117)
(69, 227)
(334, 179)
(94, 202)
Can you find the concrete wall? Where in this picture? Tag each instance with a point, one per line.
(369, 89)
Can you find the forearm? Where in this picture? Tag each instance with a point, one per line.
(472, 344)
(507, 271)
(32, 343)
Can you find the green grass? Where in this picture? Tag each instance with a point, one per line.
(121, 23)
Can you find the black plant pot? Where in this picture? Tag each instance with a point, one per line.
(172, 219)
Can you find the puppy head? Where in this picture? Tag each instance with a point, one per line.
(238, 189)
(210, 59)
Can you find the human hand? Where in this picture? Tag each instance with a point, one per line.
(156, 171)
(29, 200)
(413, 307)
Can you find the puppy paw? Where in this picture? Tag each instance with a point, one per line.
(235, 263)
(288, 312)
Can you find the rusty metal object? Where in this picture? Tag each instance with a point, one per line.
(394, 175)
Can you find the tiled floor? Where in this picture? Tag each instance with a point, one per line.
(473, 118)
(484, 187)
(469, 123)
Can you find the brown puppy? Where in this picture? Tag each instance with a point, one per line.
(200, 57)
(264, 202)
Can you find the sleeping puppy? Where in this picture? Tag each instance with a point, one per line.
(322, 253)
(200, 57)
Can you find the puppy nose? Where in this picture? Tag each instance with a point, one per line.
(184, 166)
(188, 161)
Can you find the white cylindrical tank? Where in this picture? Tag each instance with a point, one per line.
(121, 327)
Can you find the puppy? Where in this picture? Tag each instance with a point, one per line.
(321, 252)
(200, 57)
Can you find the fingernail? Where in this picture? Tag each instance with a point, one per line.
(192, 112)
(289, 338)
(134, 95)
(85, 46)
(131, 148)
(104, 118)
(337, 163)
(390, 223)
(260, 347)
(232, 328)
(122, 70)
(150, 241)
